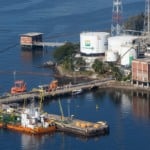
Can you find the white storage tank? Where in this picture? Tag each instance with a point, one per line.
(115, 43)
(111, 56)
(93, 43)
(127, 55)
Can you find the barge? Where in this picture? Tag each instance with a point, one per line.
(33, 121)
(80, 127)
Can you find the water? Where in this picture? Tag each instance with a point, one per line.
(127, 115)
(63, 20)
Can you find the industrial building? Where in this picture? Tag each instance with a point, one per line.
(118, 47)
(141, 72)
(29, 39)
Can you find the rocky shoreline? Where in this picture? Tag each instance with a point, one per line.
(65, 77)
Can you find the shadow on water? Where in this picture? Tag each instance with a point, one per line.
(137, 101)
(29, 54)
(141, 105)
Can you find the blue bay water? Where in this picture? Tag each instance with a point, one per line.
(63, 20)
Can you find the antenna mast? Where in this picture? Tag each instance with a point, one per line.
(117, 20)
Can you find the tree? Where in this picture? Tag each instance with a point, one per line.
(68, 63)
(65, 51)
(98, 66)
(79, 62)
(116, 72)
(135, 22)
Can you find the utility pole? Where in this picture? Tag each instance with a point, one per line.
(117, 19)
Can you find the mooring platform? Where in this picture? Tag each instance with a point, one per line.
(80, 127)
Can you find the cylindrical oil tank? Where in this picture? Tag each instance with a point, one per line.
(93, 43)
(127, 55)
(115, 43)
(111, 56)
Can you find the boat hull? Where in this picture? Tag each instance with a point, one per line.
(36, 130)
(76, 92)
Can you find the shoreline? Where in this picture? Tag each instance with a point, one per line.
(74, 77)
(125, 86)
(120, 85)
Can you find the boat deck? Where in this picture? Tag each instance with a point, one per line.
(67, 125)
(79, 127)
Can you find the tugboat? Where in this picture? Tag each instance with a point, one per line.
(28, 120)
(32, 121)
(19, 87)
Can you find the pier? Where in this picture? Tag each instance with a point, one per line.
(49, 44)
(79, 127)
(35, 39)
(69, 125)
(38, 93)
(14, 119)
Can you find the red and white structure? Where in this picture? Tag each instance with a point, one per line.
(117, 19)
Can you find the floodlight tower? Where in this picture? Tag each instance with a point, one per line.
(147, 17)
(117, 19)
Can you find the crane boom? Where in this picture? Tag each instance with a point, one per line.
(61, 109)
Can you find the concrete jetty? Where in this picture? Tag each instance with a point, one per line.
(38, 93)
(83, 128)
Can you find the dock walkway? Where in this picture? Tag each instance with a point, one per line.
(49, 44)
(59, 91)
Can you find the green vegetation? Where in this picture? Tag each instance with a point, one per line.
(135, 22)
(67, 63)
(99, 67)
(65, 56)
(116, 72)
(65, 52)
(107, 69)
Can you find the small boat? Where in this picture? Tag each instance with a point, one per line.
(48, 64)
(76, 91)
(19, 87)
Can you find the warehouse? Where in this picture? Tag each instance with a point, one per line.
(141, 72)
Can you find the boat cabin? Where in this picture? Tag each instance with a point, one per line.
(19, 86)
